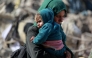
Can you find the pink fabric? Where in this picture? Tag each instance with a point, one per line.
(56, 44)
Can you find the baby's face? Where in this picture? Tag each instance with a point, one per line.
(39, 23)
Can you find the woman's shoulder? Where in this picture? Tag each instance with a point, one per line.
(56, 25)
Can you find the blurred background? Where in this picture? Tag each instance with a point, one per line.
(16, 16)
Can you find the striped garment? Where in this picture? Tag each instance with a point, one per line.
(56, 44)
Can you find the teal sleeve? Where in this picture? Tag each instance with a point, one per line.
(43, 34)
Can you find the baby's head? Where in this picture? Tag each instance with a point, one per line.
(39, 20)
(44, 16)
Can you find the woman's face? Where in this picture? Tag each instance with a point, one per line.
(59, 17)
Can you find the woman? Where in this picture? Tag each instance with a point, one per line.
(59, 10)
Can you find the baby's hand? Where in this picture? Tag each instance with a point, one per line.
(31, 39)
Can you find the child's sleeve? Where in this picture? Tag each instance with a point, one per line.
(43, 34)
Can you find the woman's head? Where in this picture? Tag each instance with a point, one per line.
(57, 6)
(44, 16)
(59, 17)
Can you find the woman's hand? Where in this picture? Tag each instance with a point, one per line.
(68, 54)
(31, 39)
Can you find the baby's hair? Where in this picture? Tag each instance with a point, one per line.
(38, 17)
